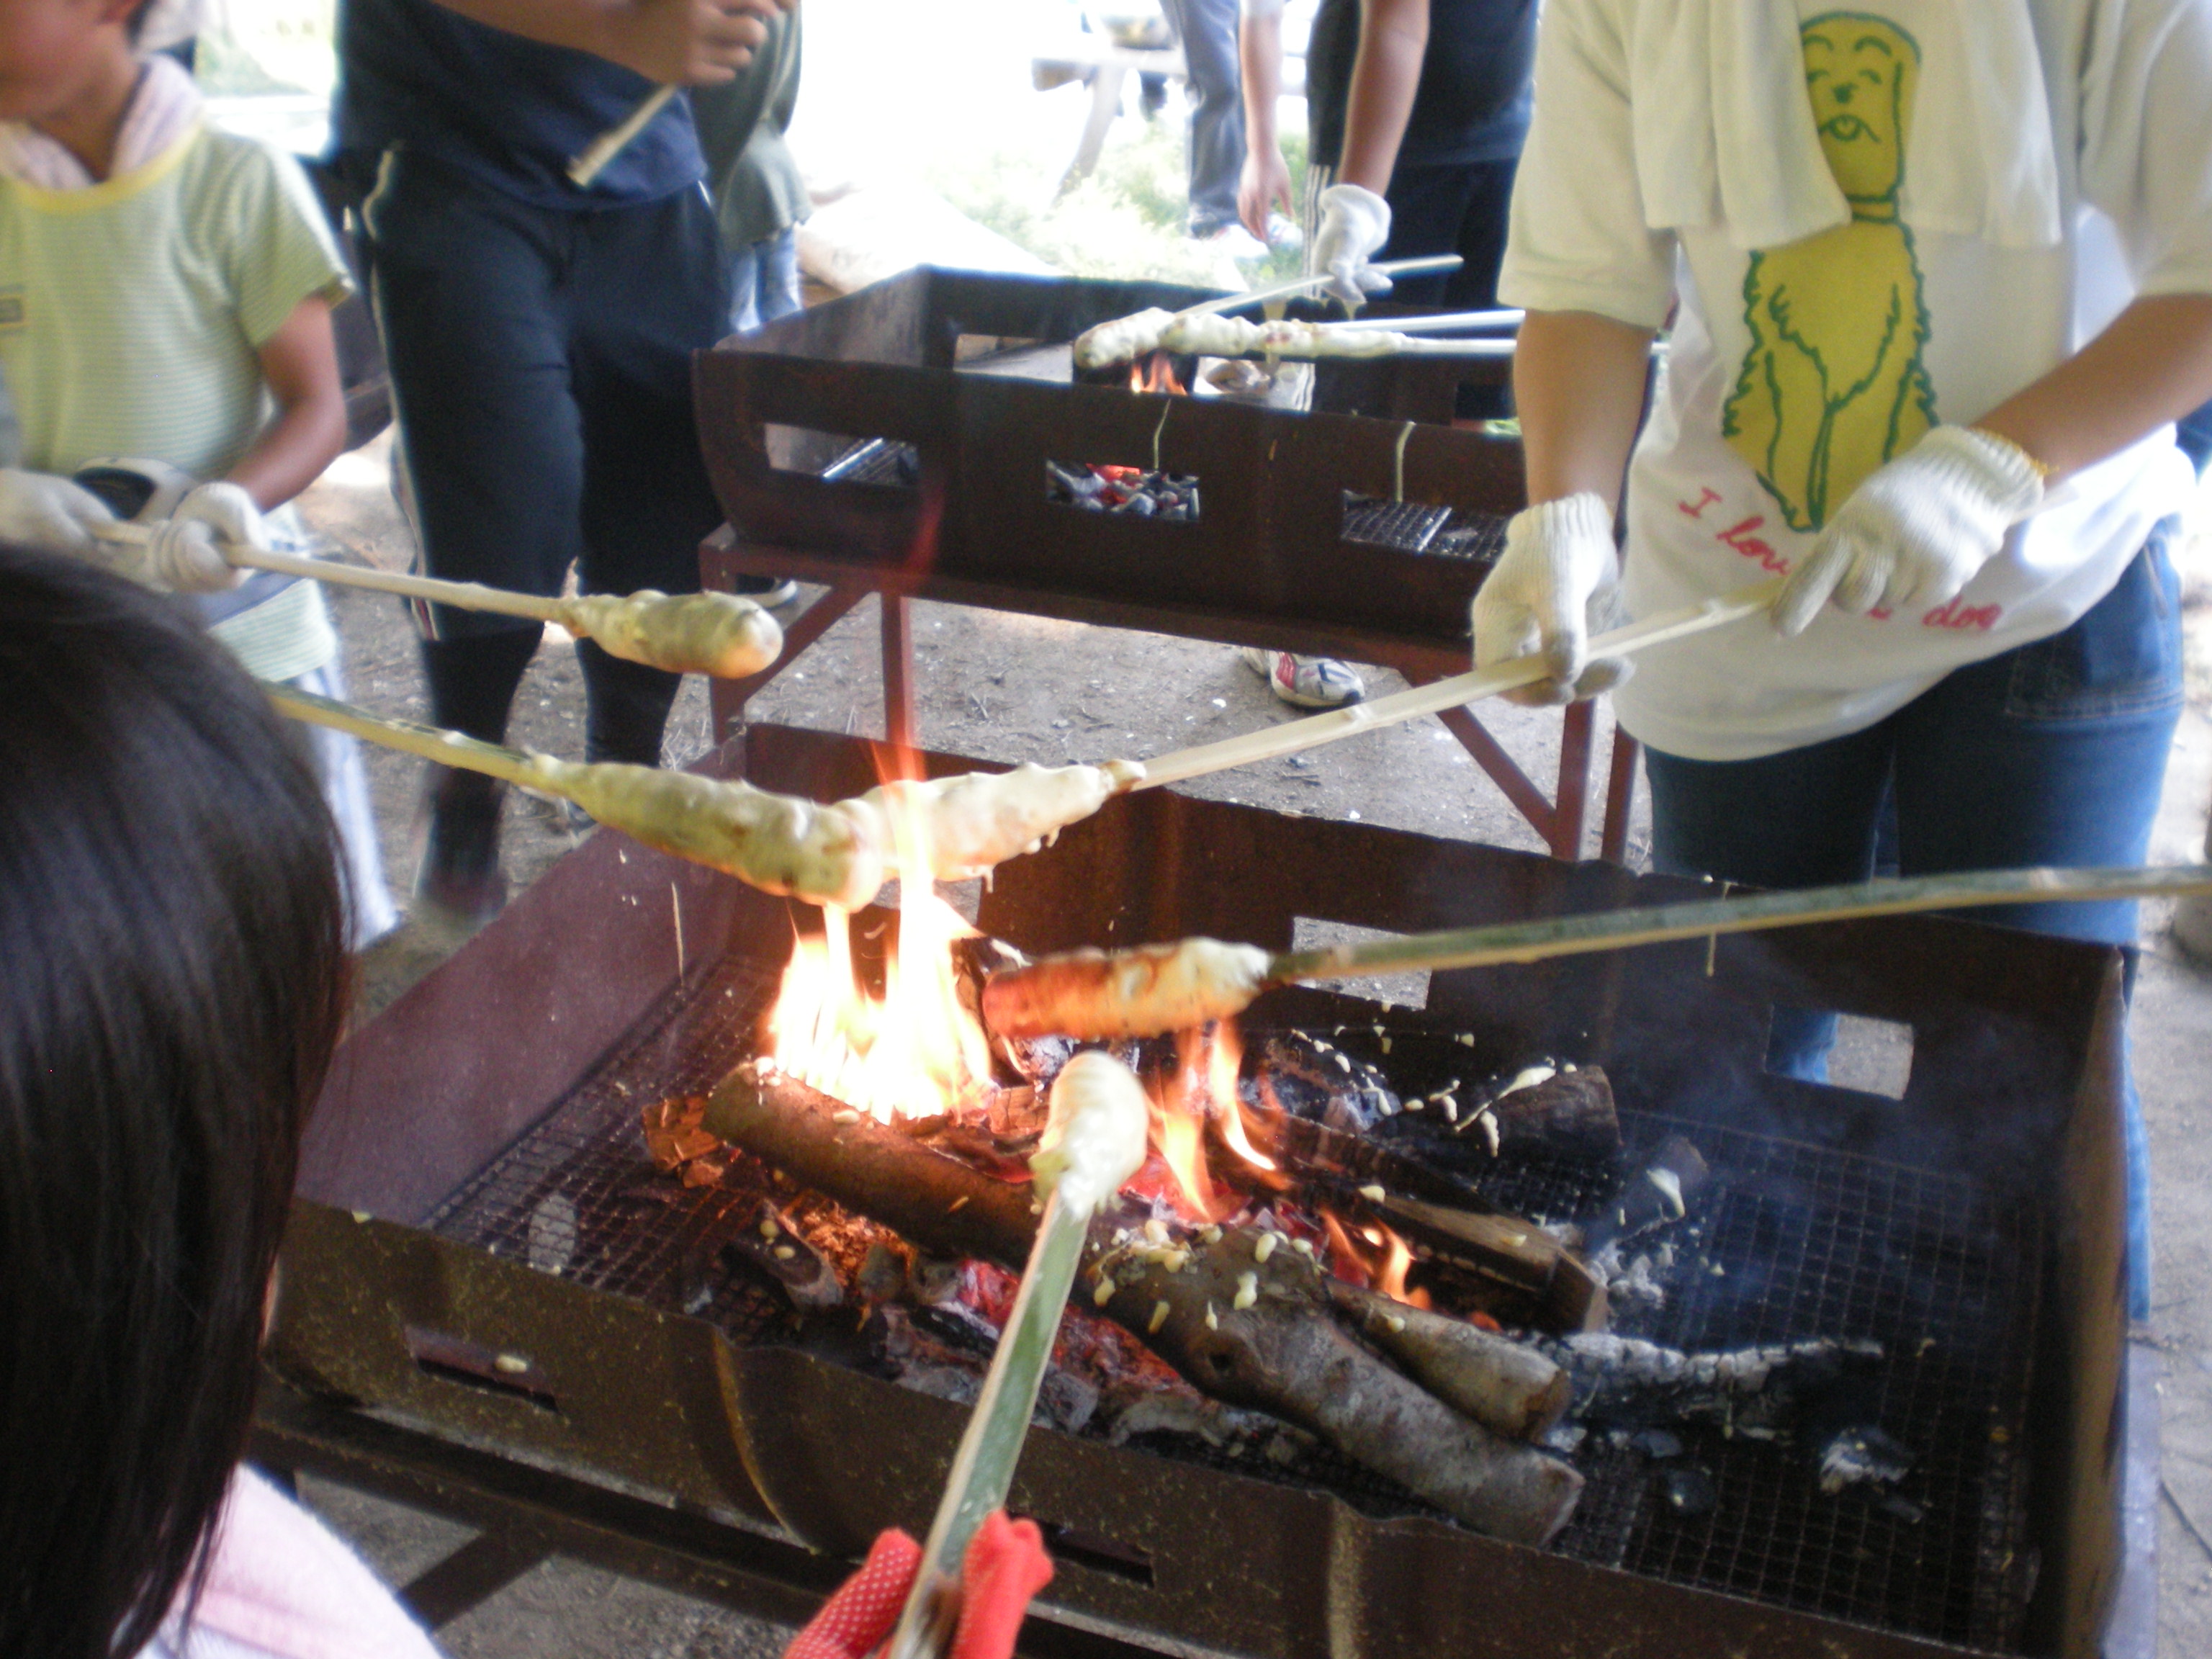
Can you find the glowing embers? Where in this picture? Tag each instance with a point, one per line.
(1126, 491)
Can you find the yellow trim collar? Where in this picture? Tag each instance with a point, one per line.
(121, 187)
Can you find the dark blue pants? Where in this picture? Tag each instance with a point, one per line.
(2051, 754)
(541, 371)
(1457, 208)
(1208, 31)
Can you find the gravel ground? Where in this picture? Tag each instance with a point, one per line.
(1015, 688)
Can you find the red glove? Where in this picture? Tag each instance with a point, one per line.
(1004, 1566)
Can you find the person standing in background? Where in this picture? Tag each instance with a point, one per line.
(1416, 112)
(539, 338)
(1208, 29)
(760, 200)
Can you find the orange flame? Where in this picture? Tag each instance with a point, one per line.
(1182, 1149)
(1156, 372)
(1390, 1276)
(1383, 1268)
(1224, 1060)
(915, 1051)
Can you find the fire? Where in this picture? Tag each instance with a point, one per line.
(1178, 1134)
(1156, 372)
(1381, 1267)
(913, 1052)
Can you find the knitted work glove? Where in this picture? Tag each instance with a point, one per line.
(39, 510)
(185, 552)
(1004, 1566)
(1355, 222)
(1917, 529)
(1557, 583)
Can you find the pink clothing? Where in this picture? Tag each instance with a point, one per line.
(282, 1586)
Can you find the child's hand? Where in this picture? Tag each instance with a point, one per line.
(688, 42)
(1918, 530)
(39, 510)
(185, 550)
(1005, 1565)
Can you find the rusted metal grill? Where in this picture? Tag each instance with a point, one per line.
(1972, 1225)
(1793, 1242)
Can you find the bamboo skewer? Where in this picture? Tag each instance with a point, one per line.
(1283, 291)
(1141, 992)
(1440, 323)
(1295, 735)
(603, 149)
(722, 635)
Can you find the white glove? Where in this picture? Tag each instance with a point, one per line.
(39, 510)
(185, 552)
(1917, 529)
(1355, 222)
(1557, 582)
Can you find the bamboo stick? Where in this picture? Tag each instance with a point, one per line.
(603, 149)
(1283, 291)
(410, 737)
(1294, 736)
(722, 635)
(1439, 323)
(1157, 989)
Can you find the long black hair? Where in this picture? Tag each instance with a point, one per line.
(173, 979)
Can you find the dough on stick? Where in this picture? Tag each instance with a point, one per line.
(717, 634)
(1216, 336)
(841, 853)
(978, 820)
(1141, 993)
(1094, 1138)
(1123, 340)
(779, 843)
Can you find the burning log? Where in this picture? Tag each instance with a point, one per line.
(1249, 1323)
(1568, 1114)
(1466, 1366)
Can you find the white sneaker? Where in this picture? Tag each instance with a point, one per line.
(1284, 235)
(1235, 241)
(1305, 682)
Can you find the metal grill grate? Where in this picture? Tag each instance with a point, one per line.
(1790, 1241)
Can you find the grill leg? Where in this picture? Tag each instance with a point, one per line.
(1619, 797)
(1528, 800)
(470, 1576)
(1572, 810)
(898, 671)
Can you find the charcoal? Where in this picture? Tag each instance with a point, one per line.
(784, 1258)
(1313, 1078)
(1861, 1455)
(1661, 1194)
(1760, 1392)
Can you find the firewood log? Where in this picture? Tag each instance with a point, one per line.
(1247, 1322)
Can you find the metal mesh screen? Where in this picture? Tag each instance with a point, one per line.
(1788, 1242)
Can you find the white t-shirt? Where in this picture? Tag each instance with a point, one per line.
(1793, 372)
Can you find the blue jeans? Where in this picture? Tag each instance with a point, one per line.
(764, 282)
(1216, 85)
(2051, 754)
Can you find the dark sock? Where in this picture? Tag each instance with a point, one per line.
(627, 707)
(473, 679)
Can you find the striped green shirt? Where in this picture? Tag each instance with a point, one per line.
(130, 316)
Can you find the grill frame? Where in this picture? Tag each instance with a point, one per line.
(763, 1439)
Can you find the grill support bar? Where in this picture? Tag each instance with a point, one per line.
(1561, 822)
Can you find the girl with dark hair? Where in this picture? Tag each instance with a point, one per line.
(174, 936)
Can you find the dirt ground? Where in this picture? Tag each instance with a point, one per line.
(1014, 687)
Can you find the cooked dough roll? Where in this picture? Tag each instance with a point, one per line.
(1139, 992)
(717, 634)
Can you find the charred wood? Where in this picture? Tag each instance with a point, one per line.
(1247, 1323)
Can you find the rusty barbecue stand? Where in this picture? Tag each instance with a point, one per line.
(492, 1307)
(897, 441)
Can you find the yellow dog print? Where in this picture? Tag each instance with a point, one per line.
(1833, 384)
